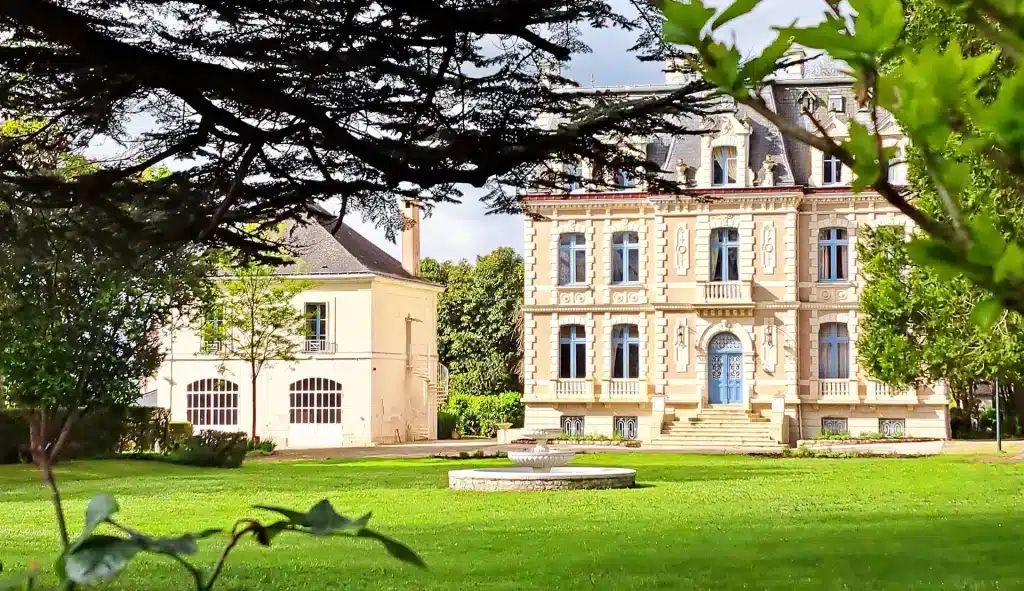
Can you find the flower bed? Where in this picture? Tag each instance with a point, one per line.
(858, 440)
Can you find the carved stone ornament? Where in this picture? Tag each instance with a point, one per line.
(766, 175)
(769, 356)
(682, 249)
(682, 346)
(768, 247)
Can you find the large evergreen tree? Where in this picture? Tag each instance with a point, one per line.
(267, 106)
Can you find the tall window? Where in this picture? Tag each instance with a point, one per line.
(725, 254)
(625, 257)
(572, 259)
(624, 180)
(833, 252)
(833, 351)
(723, 165)
(572, 353)
(833, 171)
(625, 351)
(316, 327)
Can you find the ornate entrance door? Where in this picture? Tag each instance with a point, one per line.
(725, 369)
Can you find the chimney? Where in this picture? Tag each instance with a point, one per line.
(411, 237)
(795, 70)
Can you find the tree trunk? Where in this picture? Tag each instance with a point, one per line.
(253, 432)
(43, 459)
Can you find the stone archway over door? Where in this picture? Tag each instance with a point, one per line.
(314, 413)
(725, 369)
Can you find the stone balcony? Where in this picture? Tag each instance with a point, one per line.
(882, 393)
(840, 391)
(624, 390)
(571, 390)
(725, 295)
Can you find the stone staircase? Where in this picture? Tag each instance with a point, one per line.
(719, 428)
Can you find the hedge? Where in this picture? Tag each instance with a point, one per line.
(102, 432)
(480, 414)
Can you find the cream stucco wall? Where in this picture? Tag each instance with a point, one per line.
(381, 392)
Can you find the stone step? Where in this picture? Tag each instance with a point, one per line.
(724, 421)
(715, 447)
(718, 434)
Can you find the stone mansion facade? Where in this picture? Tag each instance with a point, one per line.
(725, 321)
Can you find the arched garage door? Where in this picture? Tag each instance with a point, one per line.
(314, 413)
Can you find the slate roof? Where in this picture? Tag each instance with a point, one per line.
(346, 252)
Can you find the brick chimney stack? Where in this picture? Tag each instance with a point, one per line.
(411, 237)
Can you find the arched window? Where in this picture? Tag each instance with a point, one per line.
(833, 254)
(572, 259)
(625, 351)
(832, 174)
(833, 351)
(572, 352)
(625, 257)
(314, 401)
(723, 166)
(725, 254)
(212, 402)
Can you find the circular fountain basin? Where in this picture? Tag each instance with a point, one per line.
(541, 461)
(556, 478)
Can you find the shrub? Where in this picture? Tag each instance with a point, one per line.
(832, 436)
(480, 415)
(214, 449)
(446, 423)
(264, 446)
(177, 432)
(98, 433)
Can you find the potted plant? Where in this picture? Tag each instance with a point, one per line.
(456, 434)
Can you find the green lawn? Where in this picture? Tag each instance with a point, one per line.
(696, 522)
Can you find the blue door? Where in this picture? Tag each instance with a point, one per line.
(725, 369)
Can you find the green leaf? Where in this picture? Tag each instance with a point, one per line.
(937, 255)
(1011, 265)
(98, 558)
(987, 244)
(986, 313)
(321, 519)
(737, 9)
(878, 24)
(186, 544)
(100, 508)
(394, 547)
(684, 21)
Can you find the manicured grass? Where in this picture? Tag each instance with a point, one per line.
(713, 522)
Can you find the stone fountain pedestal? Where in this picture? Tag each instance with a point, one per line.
(541, 468)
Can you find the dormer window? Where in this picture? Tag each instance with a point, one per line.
(806, 102)
(623, 180)
(832, 173)
(723, 166)
(572, 171)
(837, 104)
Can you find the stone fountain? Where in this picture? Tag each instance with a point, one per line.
(541, 468)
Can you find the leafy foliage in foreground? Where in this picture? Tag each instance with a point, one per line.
(94, 558)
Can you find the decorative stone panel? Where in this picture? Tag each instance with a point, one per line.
(768, 252)
(681, 345)
(682, 249)
(769, 344)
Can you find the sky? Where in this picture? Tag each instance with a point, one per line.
(463, 231)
